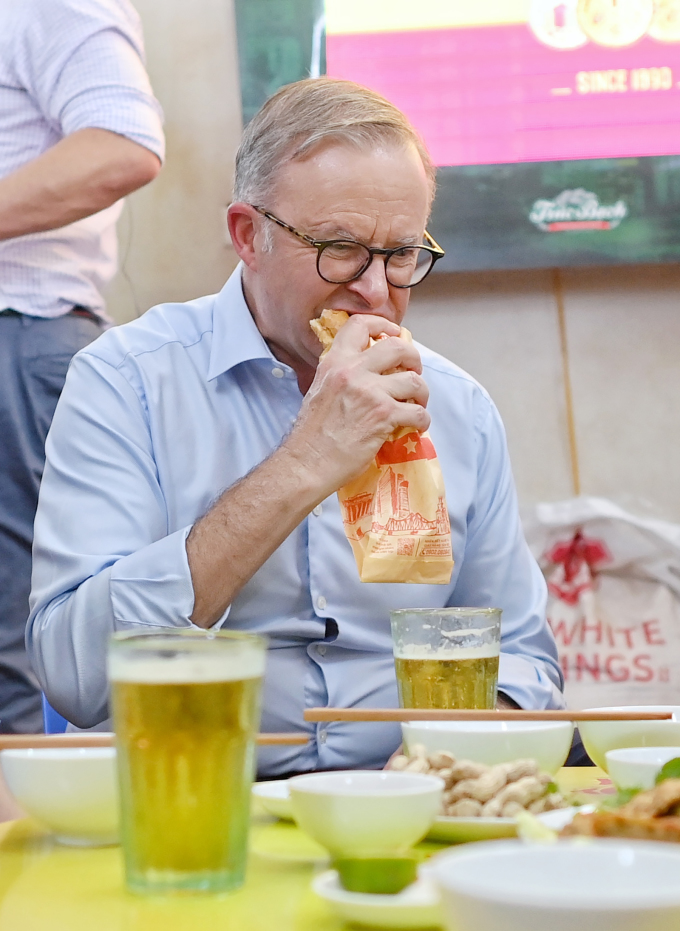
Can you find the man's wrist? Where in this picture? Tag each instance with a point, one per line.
(306, 472)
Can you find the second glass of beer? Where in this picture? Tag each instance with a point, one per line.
(186, 710)
(446, 657)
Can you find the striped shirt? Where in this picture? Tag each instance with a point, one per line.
(67, 65)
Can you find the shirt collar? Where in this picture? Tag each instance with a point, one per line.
(236, 337)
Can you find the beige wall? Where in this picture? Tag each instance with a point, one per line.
(172, 234)
(623, 324)
(623, 331)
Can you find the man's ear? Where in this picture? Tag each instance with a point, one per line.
(241, 219)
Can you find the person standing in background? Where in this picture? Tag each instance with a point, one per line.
(79, 130)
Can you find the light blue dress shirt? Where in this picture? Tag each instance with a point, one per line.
(157, 418)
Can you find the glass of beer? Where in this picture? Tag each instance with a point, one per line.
(446, 657)
(186, 710)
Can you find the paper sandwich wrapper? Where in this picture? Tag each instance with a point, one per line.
(395, 513)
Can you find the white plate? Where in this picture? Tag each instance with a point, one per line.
(459, 830)
(275, 798)
(416, 906)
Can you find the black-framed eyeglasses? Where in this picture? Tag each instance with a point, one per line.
(339, 261)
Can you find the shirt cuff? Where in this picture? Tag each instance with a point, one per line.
(152, 587)
(527, 683)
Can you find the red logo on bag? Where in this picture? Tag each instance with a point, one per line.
(575, 561)
(407, 448)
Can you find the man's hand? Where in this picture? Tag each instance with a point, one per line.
(80, 175)
(352, 406)
(348, 413)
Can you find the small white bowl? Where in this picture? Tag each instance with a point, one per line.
(274, 797)
(600, 736)
(364, 812)
(72, 791)
(416, 906)
(601, 885)
(637, 767)
(492, 742)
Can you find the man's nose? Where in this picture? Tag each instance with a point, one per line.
(372, 284)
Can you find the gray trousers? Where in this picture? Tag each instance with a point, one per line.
(34, 356)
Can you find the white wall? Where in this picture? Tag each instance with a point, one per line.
(623, 323)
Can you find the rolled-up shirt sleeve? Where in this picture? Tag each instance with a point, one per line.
(498, 570)
(103, 558)
(83, 65)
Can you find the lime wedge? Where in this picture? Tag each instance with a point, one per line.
(381, 875)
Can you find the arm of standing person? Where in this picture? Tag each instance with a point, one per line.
(81, 175)
(82, 67)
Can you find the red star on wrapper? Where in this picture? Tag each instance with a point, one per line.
(408, 448)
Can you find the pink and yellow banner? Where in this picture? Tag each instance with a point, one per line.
(502, 81)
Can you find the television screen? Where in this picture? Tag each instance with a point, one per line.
(553, 123)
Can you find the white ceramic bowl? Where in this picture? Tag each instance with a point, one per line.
(600, 736)
(364, 812)
(493, 742)
(637, 767)
(72, 791)
(603, 885)
(274, 798)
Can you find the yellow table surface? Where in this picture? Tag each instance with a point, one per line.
(47, 887)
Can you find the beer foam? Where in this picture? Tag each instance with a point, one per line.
(425, 651)
(242, 661)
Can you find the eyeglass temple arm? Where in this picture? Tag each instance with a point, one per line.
(433, 242)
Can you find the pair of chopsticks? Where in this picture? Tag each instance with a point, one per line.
(318, 715)
(76, 739)
(439, 714)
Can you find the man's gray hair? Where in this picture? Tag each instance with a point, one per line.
(303, 116)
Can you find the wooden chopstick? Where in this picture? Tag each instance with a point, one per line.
(267, 740)
(439, 714)
(38, 741)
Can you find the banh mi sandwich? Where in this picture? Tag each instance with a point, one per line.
(328, 324)
(410, 541)
(326, 327)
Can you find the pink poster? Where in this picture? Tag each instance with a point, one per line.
(516, 80)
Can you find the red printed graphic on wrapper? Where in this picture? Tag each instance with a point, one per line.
(395, 514)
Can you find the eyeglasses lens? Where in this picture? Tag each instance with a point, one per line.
(408, 266)
(344, 261)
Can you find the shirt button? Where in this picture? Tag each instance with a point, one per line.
(317, 511)
(322, 649)
(321, 603)
(323, 736)
(277, 372)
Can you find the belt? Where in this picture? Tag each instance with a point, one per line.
(74, 312)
